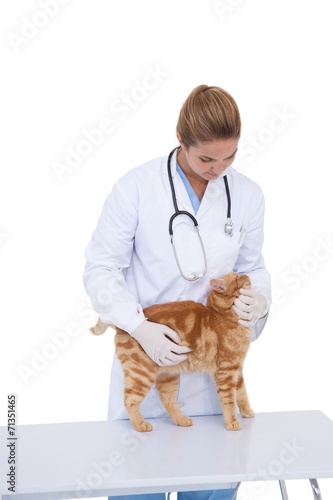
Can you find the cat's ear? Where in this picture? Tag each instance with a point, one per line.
(243, 281)
(218, 285)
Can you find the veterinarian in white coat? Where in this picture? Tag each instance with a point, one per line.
(130, 262)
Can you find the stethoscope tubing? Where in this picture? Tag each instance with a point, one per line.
(228, 225)
(184, 212)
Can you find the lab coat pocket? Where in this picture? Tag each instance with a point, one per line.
(225, 249)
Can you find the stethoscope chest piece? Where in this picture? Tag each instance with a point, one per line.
(228, 227)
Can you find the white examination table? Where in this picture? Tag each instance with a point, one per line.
(94, 459)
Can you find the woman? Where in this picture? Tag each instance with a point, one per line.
(131, 264)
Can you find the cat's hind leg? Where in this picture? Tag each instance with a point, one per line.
(242, 399)
(137, 383)
(167, 386)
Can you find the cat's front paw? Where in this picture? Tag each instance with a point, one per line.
(233, 426)
(248, 413)
(144, 427)
(184, 421)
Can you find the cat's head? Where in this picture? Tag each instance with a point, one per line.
(230, 284)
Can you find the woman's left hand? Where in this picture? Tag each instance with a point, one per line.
(249, 307)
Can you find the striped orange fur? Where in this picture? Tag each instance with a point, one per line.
(218, 346)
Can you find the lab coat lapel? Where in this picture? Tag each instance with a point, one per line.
(183, 199)
(215, 189)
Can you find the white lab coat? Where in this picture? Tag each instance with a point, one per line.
(130, 263)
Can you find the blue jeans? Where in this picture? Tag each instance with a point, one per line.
(184, 495)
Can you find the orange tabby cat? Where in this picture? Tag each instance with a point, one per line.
(219, 345)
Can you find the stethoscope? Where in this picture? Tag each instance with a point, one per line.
(228, 227)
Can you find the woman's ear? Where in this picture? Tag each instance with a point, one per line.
(180, 141)
(219, 286)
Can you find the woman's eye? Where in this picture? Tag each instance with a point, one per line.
(205, 160)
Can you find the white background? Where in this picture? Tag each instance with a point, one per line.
(67, 71)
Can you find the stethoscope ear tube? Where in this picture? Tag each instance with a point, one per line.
(173, 193)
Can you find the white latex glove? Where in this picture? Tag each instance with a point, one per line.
(152, 338)
(250, 306)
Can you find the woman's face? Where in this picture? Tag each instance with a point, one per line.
(208, 160)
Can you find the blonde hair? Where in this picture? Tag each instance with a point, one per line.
(208, 113)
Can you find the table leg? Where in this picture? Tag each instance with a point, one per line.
(283, 489)
(235, 492)
(315, 489)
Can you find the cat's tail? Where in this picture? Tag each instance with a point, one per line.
(99, 328)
